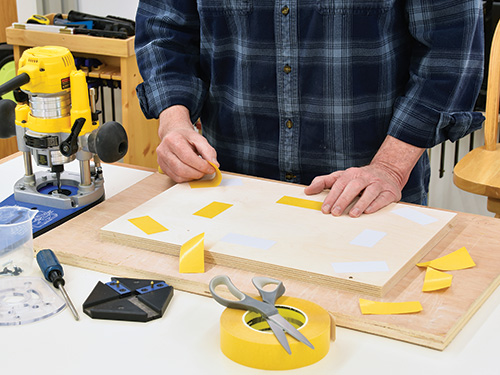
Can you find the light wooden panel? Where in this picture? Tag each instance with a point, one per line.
(8, 146)
(77, 243)
(8, 15)
(306, 242)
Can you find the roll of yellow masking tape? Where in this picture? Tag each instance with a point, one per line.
(247, 339)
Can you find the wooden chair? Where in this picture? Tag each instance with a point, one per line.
(478, 172)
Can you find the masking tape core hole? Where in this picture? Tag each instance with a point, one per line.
(256, 322)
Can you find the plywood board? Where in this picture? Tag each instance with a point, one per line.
(77, 243)
(253, 232)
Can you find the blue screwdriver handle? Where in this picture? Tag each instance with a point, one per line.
(53, 272)
(49, 263)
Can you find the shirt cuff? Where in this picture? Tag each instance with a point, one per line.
(154, 100)
(425, 127)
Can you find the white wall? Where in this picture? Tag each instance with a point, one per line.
(120, 8)
(25, 9)
(442, 192)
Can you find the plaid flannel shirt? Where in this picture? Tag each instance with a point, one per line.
(293, 89)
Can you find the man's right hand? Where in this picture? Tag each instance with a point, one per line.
(181, 147)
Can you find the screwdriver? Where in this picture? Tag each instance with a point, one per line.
(53, 272)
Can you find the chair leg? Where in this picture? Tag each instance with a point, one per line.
(493, 205)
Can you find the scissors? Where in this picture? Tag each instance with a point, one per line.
(266, 308)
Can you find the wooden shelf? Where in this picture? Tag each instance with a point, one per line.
(75, 43)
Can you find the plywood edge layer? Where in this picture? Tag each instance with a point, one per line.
(281, 271)
(246, 264)
(418, 256)
(384, 329)
(473, 308)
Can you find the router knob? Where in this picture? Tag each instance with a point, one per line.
(109, 142)
(8, 118)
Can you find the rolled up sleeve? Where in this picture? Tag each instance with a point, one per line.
(167, 46)
(445, 75)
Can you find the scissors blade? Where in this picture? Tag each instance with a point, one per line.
(290, 329)
(280, 335)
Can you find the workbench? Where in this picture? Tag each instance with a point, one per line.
(186, 339)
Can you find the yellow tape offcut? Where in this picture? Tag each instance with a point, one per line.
(458, 260)
(388, 308)
(243, 342)
(436, 280)
(192, 255)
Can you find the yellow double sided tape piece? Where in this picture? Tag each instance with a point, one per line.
(192, 255)
(247, 339)
(300, 202)
(208, 183)
(148, 225)
(213, 209)
(457, 260)
(436, 280)
(388, 308)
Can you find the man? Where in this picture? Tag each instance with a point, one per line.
(343, 95)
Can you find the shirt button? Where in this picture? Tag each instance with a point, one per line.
(289, 176)
(285, 10)
(287, 68)
(289, 124)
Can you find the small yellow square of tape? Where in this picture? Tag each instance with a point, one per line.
(213, 209)
(148, 225)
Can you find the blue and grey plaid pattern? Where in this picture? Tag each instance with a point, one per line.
(292, 89)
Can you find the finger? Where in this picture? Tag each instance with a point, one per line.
(369, 195)
(321, 183)
(188, 152)
(381, 201)
(178, 170)
(208, 153)
(347, 195)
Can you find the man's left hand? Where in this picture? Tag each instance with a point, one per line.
(377, 184)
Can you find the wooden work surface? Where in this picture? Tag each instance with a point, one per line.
(77, 243)
(245, 227)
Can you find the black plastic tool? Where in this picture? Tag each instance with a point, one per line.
(136, 300)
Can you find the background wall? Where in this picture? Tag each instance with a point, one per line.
(443, 193)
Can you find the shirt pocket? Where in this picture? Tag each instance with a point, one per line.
(362, 7)
(240, 7)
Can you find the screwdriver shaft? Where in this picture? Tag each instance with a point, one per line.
(69, 303)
